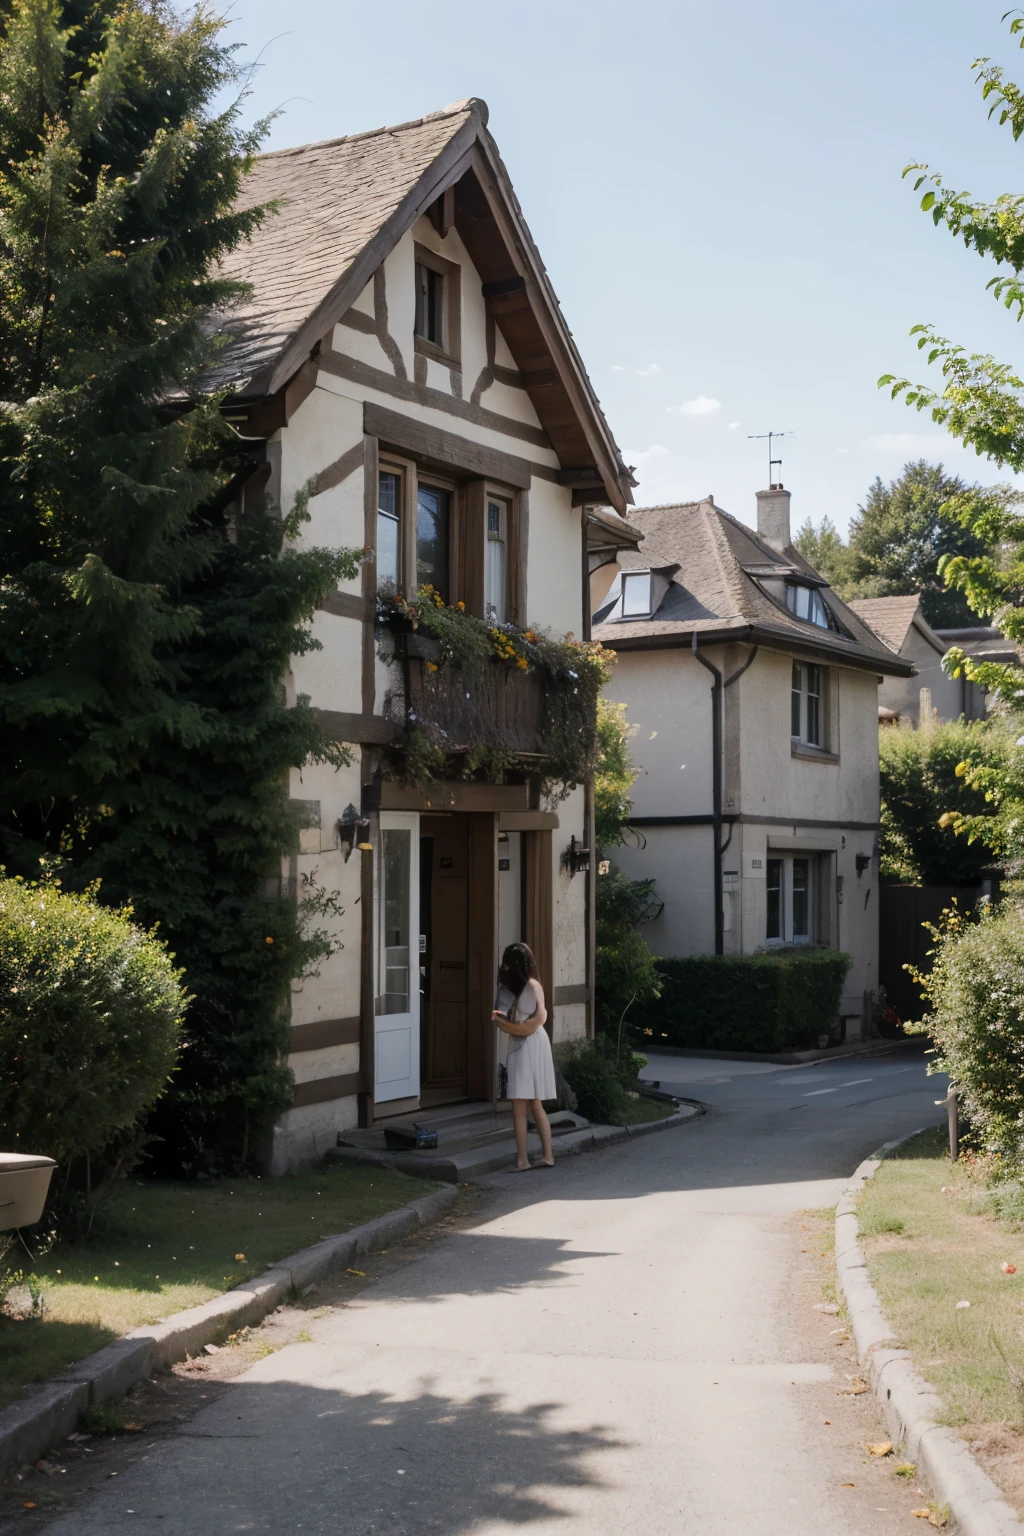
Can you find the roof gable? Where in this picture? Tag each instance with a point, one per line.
(890, 617)
(342, 206)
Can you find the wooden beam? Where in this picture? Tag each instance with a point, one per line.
(364, 730)
(324, 1033)
(503, 285)
(346, 605)
(579, 478)
(323, 1089)
(415, 437)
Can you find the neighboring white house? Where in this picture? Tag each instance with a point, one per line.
(754, 692)
(900, 622)
(402, 348)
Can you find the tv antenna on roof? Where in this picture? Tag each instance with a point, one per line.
(760, 437)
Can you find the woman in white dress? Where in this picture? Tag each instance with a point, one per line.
(531, 1071)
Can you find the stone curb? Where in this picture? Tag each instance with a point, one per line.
(28, 1428)
(910, 1407)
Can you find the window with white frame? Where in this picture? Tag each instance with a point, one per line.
(389, 524)
(496, 560)
(636, 594)
(807, 724)
(790, 905)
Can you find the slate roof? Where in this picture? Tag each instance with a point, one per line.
(889, 617)
(712, 596)
(333, 197)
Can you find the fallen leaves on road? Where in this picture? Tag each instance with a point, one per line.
(856, 1387)
(360, 1272)
(1008, 1269)
(847, 1485)
(881, 1448)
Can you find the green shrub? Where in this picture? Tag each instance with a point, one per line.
(590, 1073)
(766, 1002)
(975, 992)
(90, 1013)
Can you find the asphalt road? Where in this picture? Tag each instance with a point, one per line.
(624, 1344)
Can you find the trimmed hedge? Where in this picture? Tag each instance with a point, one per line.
(767, 1002)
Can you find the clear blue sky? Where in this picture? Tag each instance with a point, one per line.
(715, 189)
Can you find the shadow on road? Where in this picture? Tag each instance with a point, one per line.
(349, 1462)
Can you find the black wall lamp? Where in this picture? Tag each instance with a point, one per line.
(353, 831)
(577, 857)
(863, 862)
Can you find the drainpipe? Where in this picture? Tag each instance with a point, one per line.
(718, 688)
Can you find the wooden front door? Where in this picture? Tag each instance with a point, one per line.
(444, 919)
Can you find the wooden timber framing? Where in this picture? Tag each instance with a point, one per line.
(408, 435)
(356, 372)
(346, 605)
(340, 470)
(369, 569)
(366, 730)
(324, 1033)
(322, 1090)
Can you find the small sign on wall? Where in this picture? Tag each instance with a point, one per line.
(754, 866)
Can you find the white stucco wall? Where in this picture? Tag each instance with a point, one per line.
(826, 808)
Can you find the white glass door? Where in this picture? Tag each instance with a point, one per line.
(397, 989)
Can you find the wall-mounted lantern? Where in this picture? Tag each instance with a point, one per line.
(577, 857)
(863, 862)
(353, 831)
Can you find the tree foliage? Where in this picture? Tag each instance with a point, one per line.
(614, 776)
(980, 402)
(926, 800)
(899, 540)
(146, 617)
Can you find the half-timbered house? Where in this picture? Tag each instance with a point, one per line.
(402, 349)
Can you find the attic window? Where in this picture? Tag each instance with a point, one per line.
(429, 305)
(806, 603)
(637, 596)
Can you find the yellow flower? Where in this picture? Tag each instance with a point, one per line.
(461, 606)
(431, 666)
(521, 663)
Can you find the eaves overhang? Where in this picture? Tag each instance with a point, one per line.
(766, 635)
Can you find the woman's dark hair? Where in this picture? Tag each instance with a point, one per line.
(518, 967)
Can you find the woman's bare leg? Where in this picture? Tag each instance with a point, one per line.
(519, 1126)
(540, 1120)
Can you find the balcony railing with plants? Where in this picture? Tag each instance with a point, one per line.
(473, 699)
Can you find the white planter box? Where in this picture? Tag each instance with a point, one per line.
(24, 1185)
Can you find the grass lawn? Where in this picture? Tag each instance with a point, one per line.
(158, 1248)
(927, 1251)
(639, 1111)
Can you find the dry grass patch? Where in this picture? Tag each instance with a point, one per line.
(933, 1241)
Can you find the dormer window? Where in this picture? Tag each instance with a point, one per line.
(637, 595)
(806, 603)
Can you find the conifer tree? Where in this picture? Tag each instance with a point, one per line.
(145, 629)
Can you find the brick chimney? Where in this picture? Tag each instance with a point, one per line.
(773, 517)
